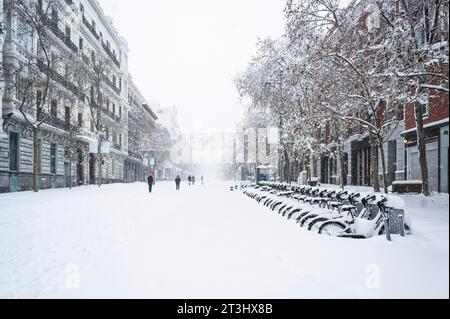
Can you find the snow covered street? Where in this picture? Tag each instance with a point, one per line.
(205, 242)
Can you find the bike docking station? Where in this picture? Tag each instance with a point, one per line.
(394, 223)
(334, 212)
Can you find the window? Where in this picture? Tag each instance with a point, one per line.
(52, 158)
(267, 147)
(40, 156)
(39, 105)
(80, 119)
(67, 153)
(24, 34)
(114, 80)
(54, 109)
(68, 32)
(80, 44)
(13, 152)
(93, 24)
(82, 9)
(67, 115)
(114, 108)
(55, 16)
(120, 111)
(120, 139)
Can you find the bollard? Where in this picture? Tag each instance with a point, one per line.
(386, 228)
(231, 188)
(401, 219)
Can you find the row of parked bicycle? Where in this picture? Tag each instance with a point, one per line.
(333, 212)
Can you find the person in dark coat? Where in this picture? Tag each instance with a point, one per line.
(150, 181)
(193, 180)
(177, 182)
(189, 180)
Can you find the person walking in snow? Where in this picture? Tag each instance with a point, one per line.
(178, 182)
(150, 181)
(202, 179)
(193, 180)
(189, 180)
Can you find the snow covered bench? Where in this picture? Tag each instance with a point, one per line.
(402, 187)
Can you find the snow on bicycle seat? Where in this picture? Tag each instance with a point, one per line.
(348, 207)
(335, 204)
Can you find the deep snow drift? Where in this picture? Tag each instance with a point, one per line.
(205, 242)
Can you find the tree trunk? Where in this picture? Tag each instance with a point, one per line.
(99, 150)
(422, 150)
(287, 164)
(341, 160)
(383, 165)
(70, 171)
(37, 158)
(374, 166)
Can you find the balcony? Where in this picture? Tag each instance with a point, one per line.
(135, 155)
(112, 85)
(111, 115)
(53, 26)
(110, 54)
(61, 124)
(90, 28)
(55, 76)
(115, 146)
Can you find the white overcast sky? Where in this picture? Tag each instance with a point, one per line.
(185, 53)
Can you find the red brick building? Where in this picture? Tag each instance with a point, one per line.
(436, 132)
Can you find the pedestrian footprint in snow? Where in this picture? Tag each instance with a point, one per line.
(177, 182)
(150, 181)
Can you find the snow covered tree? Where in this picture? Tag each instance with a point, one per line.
(91, 74)
(417, 31)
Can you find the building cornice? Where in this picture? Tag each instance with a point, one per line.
(107, 22)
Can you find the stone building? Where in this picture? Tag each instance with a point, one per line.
(77, 31)
(141, 125)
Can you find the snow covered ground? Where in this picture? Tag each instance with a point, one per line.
(205, 242)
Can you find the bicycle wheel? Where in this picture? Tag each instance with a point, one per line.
(315, 224)
(332, 228)
(307, 218)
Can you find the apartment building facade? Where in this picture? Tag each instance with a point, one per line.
(76, 30)
(141, 125)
